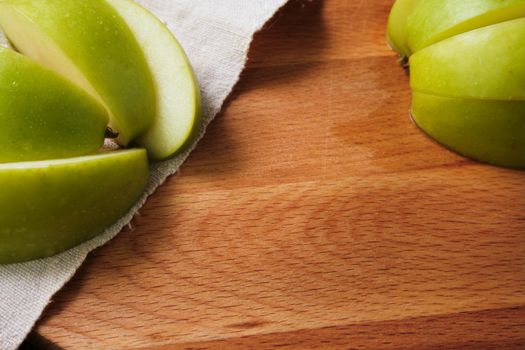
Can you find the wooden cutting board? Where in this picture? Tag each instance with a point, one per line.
(314, 215)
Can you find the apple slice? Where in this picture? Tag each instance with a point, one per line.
(486, 63)
(431, 21)
(90, 44)
(487, 130)
(44, 116)
(47, 207)
(396, 32)
(178, 95)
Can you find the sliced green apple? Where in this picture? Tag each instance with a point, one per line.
(90, 44)
(43, 115)
(47, 207)
(431, 21)
(486, 63)
(396, 33)
(178, 95)
(487, 130)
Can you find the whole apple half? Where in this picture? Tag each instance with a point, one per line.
(178, 109)
(90, 44)
(43, 115)
(467, 73)
(50, 206)
(469, 93)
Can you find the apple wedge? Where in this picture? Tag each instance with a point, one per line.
(486, 63)
(43, 115)
(396, 32)
(91, 45)
(178, 96)
(487, 130)
(50, 206)
(431, 21)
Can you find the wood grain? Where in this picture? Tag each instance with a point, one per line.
(314, 215)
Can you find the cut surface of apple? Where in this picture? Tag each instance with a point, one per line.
(47, 207)
(43, 115)
(486, 130)
(178, 96)
(486, 63)
(431, 21)
(396, 32)
(90, 44)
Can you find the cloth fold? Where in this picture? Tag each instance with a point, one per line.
(216, 35)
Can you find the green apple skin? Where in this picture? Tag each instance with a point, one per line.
(43, 115)
(396, 33)
(490, 131)
(431, 21)
(90, 44)
(486, 63)
(178, 117)
(47, 207)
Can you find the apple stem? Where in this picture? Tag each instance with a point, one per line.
(111, 134)
(403, 61)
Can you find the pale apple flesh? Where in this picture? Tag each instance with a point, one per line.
(431, 21)
(178, 97)
(90, 44)
(486, 63)
(490, 131)
(44, 116)
(51, 206)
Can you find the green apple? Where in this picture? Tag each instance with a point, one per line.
(486, 63)
(468, 93)
(47, 207)
(43, 115)
(431, 21)
(491, 131)
(467, 73)
(90, 44)
(178, 95)
(396, 33)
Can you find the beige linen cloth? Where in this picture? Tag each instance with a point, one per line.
(216, 35)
